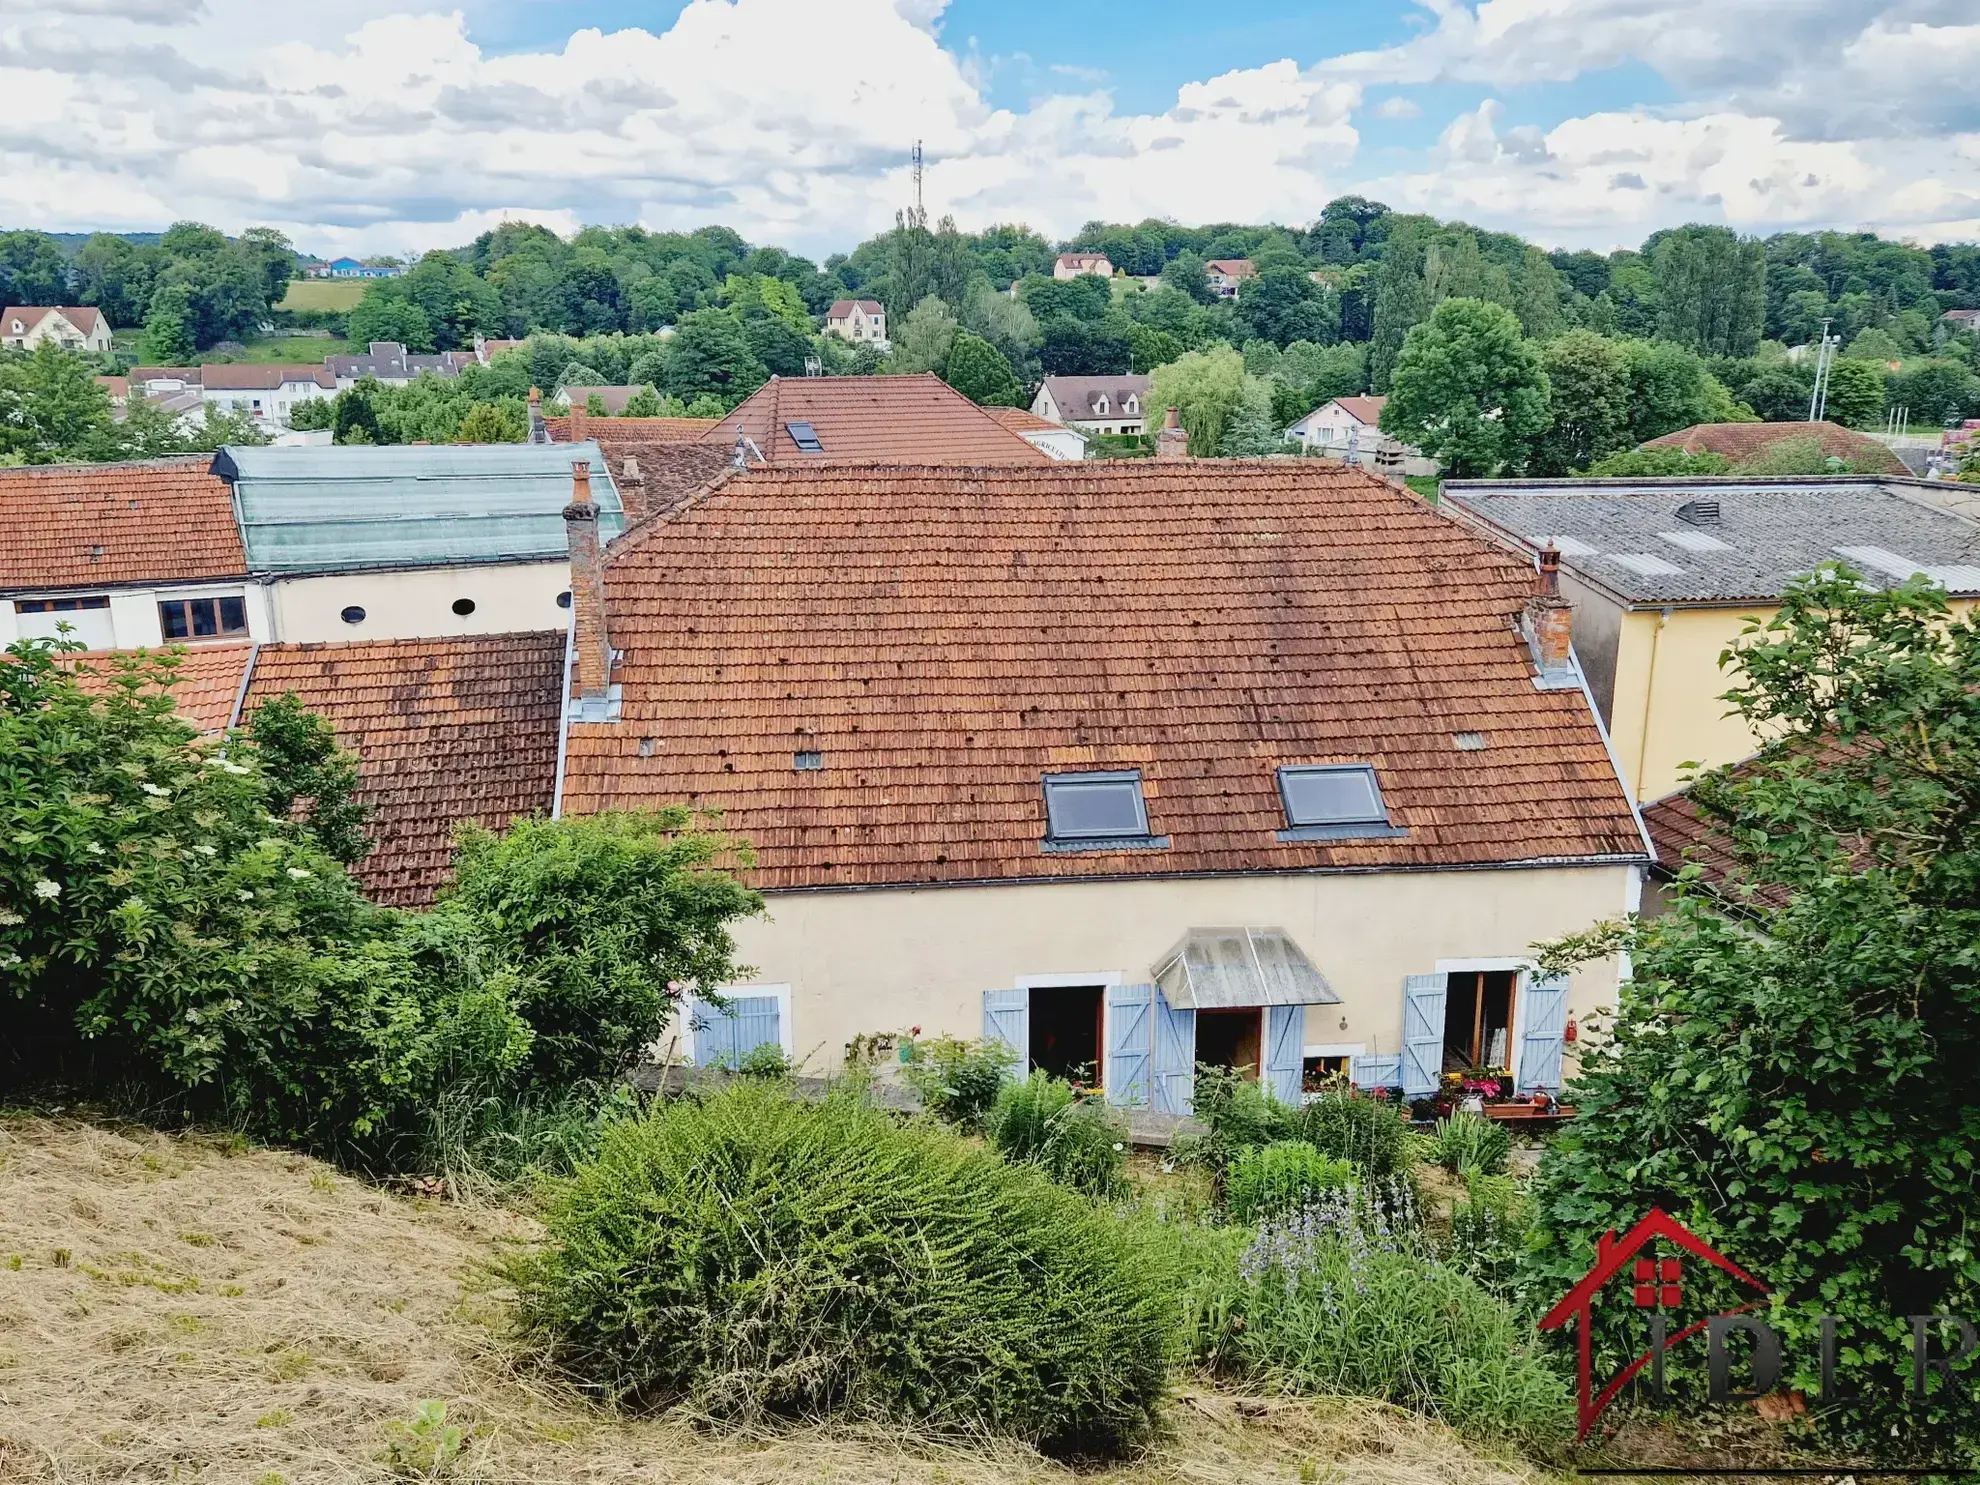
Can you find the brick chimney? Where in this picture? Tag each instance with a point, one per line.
(632, 491)
(539, 431)
(577, 422)
(1172, 442)
(1550, 624)
(591, 650)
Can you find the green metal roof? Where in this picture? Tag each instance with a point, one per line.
(321, 509)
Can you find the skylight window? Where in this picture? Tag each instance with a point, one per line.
(1567, 546)
(1333, 801)
(1091, 810)
(1643, 564)
(805, 437)
(1695, 541)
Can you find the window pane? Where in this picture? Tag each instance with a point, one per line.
(205, 621)
(172, 619)
(1331, 796)
(1094, 807)
(233, 616)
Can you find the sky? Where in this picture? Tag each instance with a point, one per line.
(401, 125)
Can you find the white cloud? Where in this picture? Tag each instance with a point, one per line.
(379, 124)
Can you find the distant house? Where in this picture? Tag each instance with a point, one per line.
(613, 398)
(268, 394)
(867, 420)
(391, 364)
(1225, 274)
(1056, 439)
(72, 327)
(862, 321)
(1962, 319)
(353, 268)
(1093, 404)
(1350, 429)
(1738, 442)
(1072, 265)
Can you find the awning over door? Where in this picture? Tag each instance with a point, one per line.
(1226, 968)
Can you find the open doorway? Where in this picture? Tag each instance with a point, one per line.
(1066, 1032)
(1230, 1039)
(1478, 1013)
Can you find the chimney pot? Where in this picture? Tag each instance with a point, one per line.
(632, 491)
(591, 649)
(1550, 571)
(1172, 442)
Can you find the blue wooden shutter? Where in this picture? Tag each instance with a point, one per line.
(1130, 1043)
(1541, 1039)
(1423, 1034)
(1377, 1070)
(1007, 1019)
(1285, 1051)
(714, 1036)
(1174, 1072)
(729, 1034)
(757, 1025)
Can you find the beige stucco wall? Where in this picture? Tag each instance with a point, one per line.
(887, 960)
(418, 604)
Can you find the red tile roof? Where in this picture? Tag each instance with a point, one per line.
(1022, 420)
(1738, 442)
(96, 525)
(874, 420)
(843, 308)
(944, 637)
(631, 430)
(208, 679)
(1364, 409)
(81, 316)
(463, 727)
(247, 376)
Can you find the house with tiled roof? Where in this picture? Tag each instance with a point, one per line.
(1073, 265)
(1350, 429)
(1738, 442)
(267, 394)
(1094, 404)
(868, 420)
(1666, 574)
(1225, 274)
(302, 544)
(1056, 439)
(861, 321)
(1130, 766)
(70, 326)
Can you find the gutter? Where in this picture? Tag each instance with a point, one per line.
(240, 695)
(564, 718)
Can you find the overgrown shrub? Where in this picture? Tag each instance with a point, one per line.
(1472, 1142)
(1487, 1237)
(1045, 1122)
(1237, 1115)
(1267, 1180)
(958, 1080)
(1342, 1298)
(761, 1256)
(1367, 1132)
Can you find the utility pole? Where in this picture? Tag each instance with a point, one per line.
(1818, 399)
(921, 212)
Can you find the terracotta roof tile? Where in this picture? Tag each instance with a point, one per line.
(944, 637)
(463, 727)
(1363, 409)
(1022, 420)
(631, 430)
(874, 420)
(95, 525)
(668, 473)
(208, 684)
(1741, 441)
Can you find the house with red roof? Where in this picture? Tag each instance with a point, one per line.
(72, 327)
(861, 321)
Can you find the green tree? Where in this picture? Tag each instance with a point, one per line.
(309, 779)
(1206, 388)
(1941, 391)
(923, 340)
(1778, 393)
(1856, 393)
(644, 403)
(115, 275)
(1252, 429)
(1467, 389)
(1667, 390)
(1711, 290)
(386, 314)
(1664, 463)
(32, 269)
(1588, 377)
(171, 327)
(1282, 304)
(1788, 1070)
(499, 422)
(1402, 295)
(709, 354)
(51, 408)
(978, 370)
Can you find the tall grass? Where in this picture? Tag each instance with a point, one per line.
(1043, 1121)
(1284, 1176)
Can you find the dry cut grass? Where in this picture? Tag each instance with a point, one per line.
(175, 1308)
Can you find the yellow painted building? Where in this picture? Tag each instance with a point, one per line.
(1665, 576)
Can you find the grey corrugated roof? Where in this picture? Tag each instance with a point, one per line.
(320, 509)
(1628, 537)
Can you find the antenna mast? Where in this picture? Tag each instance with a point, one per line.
(920, 211)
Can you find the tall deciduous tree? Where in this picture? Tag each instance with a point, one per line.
(1468, 390)
(710, 354)
(1588, 378)
(979, 371)
(1711, 290)
(923, 338)
(1205, 387)
(1402, 297)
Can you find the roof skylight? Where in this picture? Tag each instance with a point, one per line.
(805, 437)
(1094, 809)
(1695, 541)
(1643, 564)
(1331, 801)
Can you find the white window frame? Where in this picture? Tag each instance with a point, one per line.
(1106, 981)
(1521, 965)
(694, 1004)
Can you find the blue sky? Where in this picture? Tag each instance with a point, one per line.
(404, 124)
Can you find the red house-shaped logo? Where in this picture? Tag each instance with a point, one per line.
(1657, 1284)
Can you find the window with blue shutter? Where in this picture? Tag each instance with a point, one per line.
(1285, 1042)
(1130, 1044)
(1423, 1033)
(1542, 1042)
(1377, 1070)
(1007, 1019)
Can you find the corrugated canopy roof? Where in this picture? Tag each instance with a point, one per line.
(315, 509)
(1220, 968)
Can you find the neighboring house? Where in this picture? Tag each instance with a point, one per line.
(1131, 766)
(867, 420)
(1225, 274)
(353, 268)
(72, 327)
(1072, 265)
(1738, 442)
(862, 321)
(267, 394)
(299, 544)
(613, 398)
(577, 427)
(1665, 574)
(389, 363)
(1094, 404)
(1350, 429)
(1055, 439)
(445, 729)
(1962, 319)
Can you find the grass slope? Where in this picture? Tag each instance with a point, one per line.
(335, 294)
(179, 1308)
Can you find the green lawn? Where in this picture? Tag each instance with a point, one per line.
(285, 350)
(323, 293)
(1424, 485)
